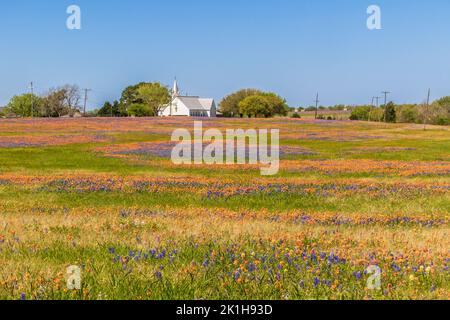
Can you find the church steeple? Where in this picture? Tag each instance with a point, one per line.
(175, 91)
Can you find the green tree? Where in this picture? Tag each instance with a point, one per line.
(443, 116)
(390, 115)
(360, 113)
(139, 110)
(277, 105)
(25, 105)
(130, 95)
(407, 113)
(255, 106)
(155, 96)
(444, 102)
(437, 113)
(110, 110)
(229, 106)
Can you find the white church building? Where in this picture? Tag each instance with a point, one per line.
(189, 106)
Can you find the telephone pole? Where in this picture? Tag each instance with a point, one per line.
(385, 103)
(317, 106)
(378, 101)
(371, 108)
(85, 100)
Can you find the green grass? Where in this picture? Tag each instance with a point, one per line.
(251, 245)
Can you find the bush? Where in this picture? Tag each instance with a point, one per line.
(390, 115)
(139, 110)
(360, 113)
(408, 114)
(436, 113)
(296, 115)
(443, 121)
(263, 105)
(376, 115)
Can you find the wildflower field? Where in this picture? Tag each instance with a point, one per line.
(104, 195)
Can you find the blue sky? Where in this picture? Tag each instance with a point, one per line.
(214, 47)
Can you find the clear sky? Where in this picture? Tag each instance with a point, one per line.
(214, 47)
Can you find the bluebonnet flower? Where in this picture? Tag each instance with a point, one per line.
(327, 283)
(316, 282)
(396, 267)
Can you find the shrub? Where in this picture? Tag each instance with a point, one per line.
(296, 115)
(390, 114)
(408, 114)
(360, 113)
(376, 115)
(139, 110)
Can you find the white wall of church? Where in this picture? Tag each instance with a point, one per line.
(178, 109)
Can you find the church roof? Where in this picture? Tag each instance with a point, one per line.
(196, 103)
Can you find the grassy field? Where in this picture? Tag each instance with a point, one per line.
(102, 194)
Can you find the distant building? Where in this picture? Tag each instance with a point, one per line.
(189, 106)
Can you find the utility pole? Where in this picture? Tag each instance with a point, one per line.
(85, 100)
(32, 98)
(371, 108)
(317, 106)
(385, 103)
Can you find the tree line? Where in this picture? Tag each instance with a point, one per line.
(147, 99)
(436, 113)
(57, 102)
